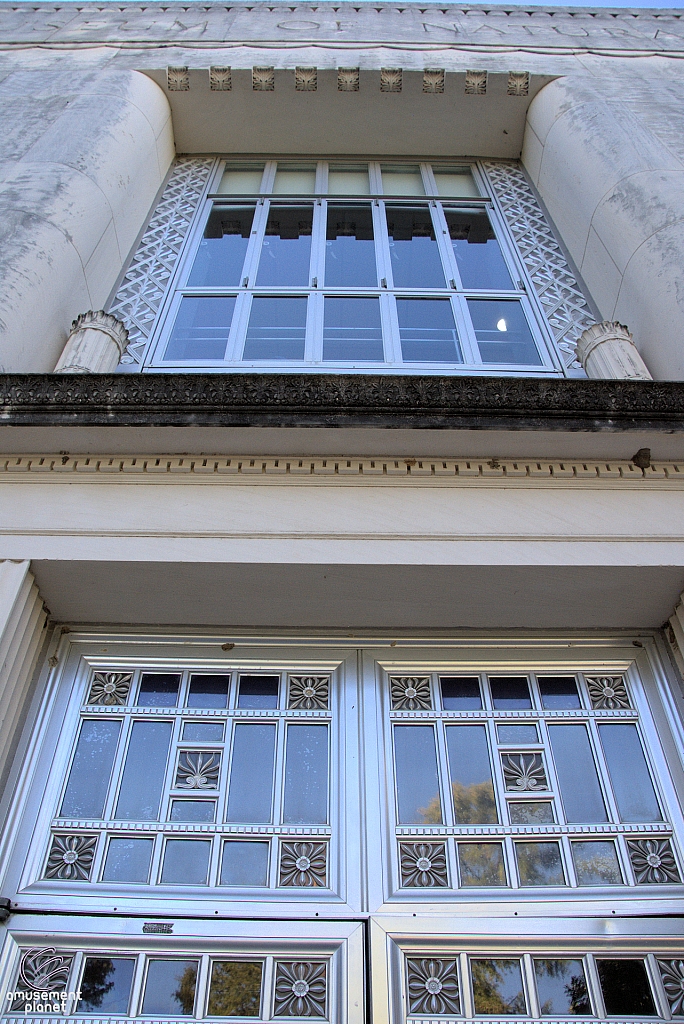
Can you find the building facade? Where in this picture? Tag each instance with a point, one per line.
(342, 519)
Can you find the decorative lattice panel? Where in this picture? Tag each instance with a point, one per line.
(564, 305)
(140, 295)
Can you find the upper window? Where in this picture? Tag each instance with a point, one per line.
(351, 266)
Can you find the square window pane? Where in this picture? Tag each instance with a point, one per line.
(417, 782)
(510, 693)
(561, 987)
(414, 254)
(128, 860)
(596, 863)
(208, 692)
(539, 864)
(170, 988)
(258, 691)
(201, 328)
(158, 690)
(531, 812)
(481, 864)
(559, 693)
(186, 862)
(241, 179)
(402, 180)
(193, 810)
(350, 247)
(276, 329)
(203, 732)
(517, 733)
(221, 253)
(470, 773)
(498, 987)
(286, 248)
(477, 251)
(503, 333)
(456, 182)
(352, 330)
(235, 989)
(295, 179)
(427, 330)
(244, 864)
(625, 986)
(460, 693)
(106, 985)
(348, 180)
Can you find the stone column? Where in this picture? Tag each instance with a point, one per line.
(22, 622)
(95, 344)
(607, 352)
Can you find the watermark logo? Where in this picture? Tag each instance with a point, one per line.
(43, 977)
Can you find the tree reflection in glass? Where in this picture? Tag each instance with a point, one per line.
(235, 989)
(471, 775)
(561, 987)
(170, 988)
(498, 987)
(105, 985)
(481, 864)
(417, 781)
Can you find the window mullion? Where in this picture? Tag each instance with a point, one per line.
(251, 264)
(268, 180)
(238, 329)
(444, 245)
(318, 232)
(466, 334)
(313, 346)
(382, 256)
(390, 329)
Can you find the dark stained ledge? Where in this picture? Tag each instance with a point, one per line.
(317, 400)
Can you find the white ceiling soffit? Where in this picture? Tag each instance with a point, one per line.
(364, 121)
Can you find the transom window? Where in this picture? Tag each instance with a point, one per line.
(353, 266)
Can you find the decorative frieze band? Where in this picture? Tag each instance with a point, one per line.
(524, 472)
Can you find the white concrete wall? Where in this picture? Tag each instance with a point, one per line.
(82, 157)
(607, 157)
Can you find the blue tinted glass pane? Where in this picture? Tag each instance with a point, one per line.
(413, 248)
(158, 690)
(510, 693)
(517, 734)
(277, 329)
(577, 776)
(478, 254)
(306, 775)
(244, 864)
(502, 332)
(90, 770)
(286, 248)
(251, 773)
(193, 810)
(428, 331)
(170, 988)
(562, 987)
(201, 328)
(471, 775)
(203, 732)
(417, 782)
(143, 775)
(352, 330)
(460, 694)
(208, 692)
(106, 985)
(186, 861)
(128, 860)
(221, 253)
(258, 691)
(559, 693)
(350, 248)
(629, 773)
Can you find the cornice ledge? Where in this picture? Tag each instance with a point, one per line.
(332, 400)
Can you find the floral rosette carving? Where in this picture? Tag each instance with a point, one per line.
(524, 773)
(304, 864)
(308, 692)
(198, 769)
(607, 693)
(300, 990)
(410, 693)
(433, 986)
(71, 857)
(423, 865)
(672, 975)
(110, 688)
(653, 861)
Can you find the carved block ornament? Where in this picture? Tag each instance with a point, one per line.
(96, 343)
(607, 352)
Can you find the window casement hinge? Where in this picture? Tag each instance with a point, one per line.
(383, 282)
(452, 284)
(245, 282)
(521, 286)
(314, 282)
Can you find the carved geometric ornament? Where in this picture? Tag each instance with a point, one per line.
(423, 865)
(71, 857)
(306, 79)
(300, 990)
(433, 986)
(410, 693)
(348, 79)
(308, 692)
(433, 80)
(672, 975)
(476, 83)
(391, 79)
(653, 861)
(198, 769)
(110, 688)
(304, 864)
(607, 693)
(524, 773)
